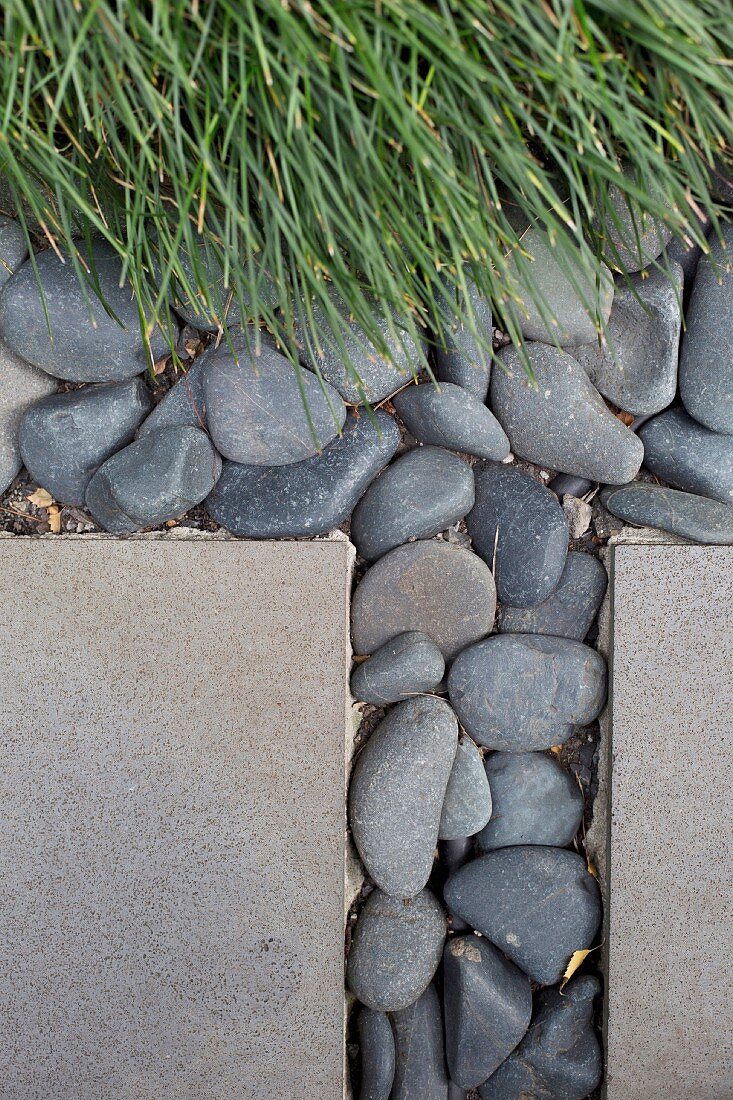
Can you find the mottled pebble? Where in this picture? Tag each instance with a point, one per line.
(184, 402)
(534, 801)
(570, 610)
(20, 387)
(13, 248)
(467, 803)
(693, 517)
(420, 1072)
(689, 456)
(377, 1050)
(466, 360)
(407, 665)
(452, 417)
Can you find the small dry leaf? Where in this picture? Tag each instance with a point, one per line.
(54, 519)
(557, 749)
(41, 498)
(576, 961)
(160, 366)
(592, 869)
(625, 418)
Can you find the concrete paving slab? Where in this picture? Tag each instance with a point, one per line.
(670, 918)
(172, 813)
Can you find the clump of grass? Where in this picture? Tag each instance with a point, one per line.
(371, 144)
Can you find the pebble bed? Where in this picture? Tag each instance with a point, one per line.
(475, 511)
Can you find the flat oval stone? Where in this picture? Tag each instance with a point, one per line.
(563, 423)
(65, 437)
(636, 368)
(451, 417)
(395, 950)
(439, 589)
(153, 480)
(706, 377)
(467, 803)
(20, 387)
(409, 664)
(693, 517)
(537, 904)
(688, 455)
(225, 309)
(377, 1050)
(519, 528)
(397, 791)
(13, 248)
(184, 402)
(256, 413)
(308, 497)
(464, 361)
(86, 344)
(520, 692)
(487, 1003)
(422, 493)
(420, 1072)
(534, 801)
(560, 1055)
(569, 611)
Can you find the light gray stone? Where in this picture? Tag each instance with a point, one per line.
(452, 417)
(409, 664)
(706, 378)
(184, 402)
(689, 456)
(20, 387)
(376, 1047)
(577, 512)
(13, 248)
(693, 517)
(397, 791)
(636, 368)
(562, 423)
(465, 360)
(395, 950)
(420, 1071)
(439, 589)
(467, 803)
(153, 480)
(534, 801)
(85, 343)
(423, 492)
(570, 610)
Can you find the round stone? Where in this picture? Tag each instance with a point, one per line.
(570, 610)
(451, 417)
(534, 801)
(397, 790)
(706, 377)
(465, 360)
(536, 904)
(377, 1050)
(439, 589)
(520, 530)
(13, 248)
(420, 1072)
(688, 455)
(395, 950)
(86, 343)
(693, 517)
(467, 803)
(410, 664)
(20, 387)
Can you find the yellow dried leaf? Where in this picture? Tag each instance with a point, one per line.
(576, 960)
(592, 869)
(54, 519)
(41, 498)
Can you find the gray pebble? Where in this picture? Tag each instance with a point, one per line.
(86, 344)
(20, 387)
(578, 513)
(420, 1072)
(689, 456)
(422, 493)
(693, 517)
(560, 1056)
(465, 360)
(534, 800)
(570, 610)
(487, 1003)
(225, 309)
(376, 1047)
(153, 480)
(66, 437)
(631, 239)
(521, 692)
(636, 368)
(519, 529)
(441, 590)
(536, 904)
(467, 804)
(563, 423)
(397, 790)
(706, 376)
(407, 665)
(13, 248)
(395, 950)
(308, 497)
(451, 417)
(184, 402)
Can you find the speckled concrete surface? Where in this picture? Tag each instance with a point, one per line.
(171, 805)
(670, 969)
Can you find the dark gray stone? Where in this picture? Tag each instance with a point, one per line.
(255, 411)
(520, 692)
(422, 493)
(693, 517)
(636, 368)
(466, 360)
(537, 904)
(13, 249)
(395, 950)
(519, 528)
(563, 423)
(20, 386)
(569, 611)
(534, 801)
(442, 590)
(689, 456)
(376, 1047)
(397, 791)
(451, 417)
(467, 803)
(631, 239)
(183, 404)
(153, 480)
(65, 437)
(706, 378)
(420, 1072)
(487, 1003)
(407, 665)
(560, 1057)
(86, 344)
(308, 497)
(225, 309)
